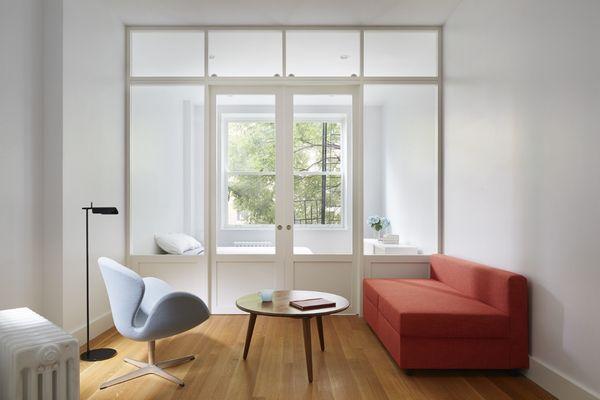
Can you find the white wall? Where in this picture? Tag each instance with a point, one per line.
(93, 152)
(21, 136)
(522, 169)
(52, 164)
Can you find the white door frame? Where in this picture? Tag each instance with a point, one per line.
(354, 171)
(276, 261)
(284, 259)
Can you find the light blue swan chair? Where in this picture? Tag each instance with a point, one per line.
(146, 310)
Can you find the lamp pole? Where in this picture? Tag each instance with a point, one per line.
(104, 353)
(87, 278)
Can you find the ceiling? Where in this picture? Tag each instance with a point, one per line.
(283, 12)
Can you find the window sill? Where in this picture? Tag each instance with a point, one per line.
(300, 227)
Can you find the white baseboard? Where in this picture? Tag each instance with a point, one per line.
(97, 326)
(556, 383)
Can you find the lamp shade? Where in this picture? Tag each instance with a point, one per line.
(105, 210)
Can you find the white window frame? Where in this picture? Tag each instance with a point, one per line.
(225, 118)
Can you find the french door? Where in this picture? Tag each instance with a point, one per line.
(282, 184)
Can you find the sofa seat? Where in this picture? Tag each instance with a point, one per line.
(428, 308)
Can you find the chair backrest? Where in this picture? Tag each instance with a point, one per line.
(125, 292)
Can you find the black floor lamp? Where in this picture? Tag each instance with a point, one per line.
(95, 354)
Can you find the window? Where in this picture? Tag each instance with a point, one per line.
(249, 169)
(249, 143)
(167, 53)
(245, 53)
(276, 166)
(323, 53)
(318, 183)
(401, 53)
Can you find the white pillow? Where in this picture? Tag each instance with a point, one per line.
(176, 243)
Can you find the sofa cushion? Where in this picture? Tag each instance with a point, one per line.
(495, 287)
(429, 308)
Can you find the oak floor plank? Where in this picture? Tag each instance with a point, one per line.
(521, 388)
(355, 365)
(486, 388)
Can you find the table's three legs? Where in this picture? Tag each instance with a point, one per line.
(307, 340)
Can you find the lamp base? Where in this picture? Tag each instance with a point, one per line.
(98, 354)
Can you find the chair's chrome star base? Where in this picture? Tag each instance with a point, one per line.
(150, 368)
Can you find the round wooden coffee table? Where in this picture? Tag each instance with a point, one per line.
(280, 307)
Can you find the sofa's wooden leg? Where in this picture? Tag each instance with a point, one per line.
(514, 372)
(409, 372)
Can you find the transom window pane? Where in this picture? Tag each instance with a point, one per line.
(323, 53)
(245, 53)
(167, 53)
(400, 53)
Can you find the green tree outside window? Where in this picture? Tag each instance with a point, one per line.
(317, 165)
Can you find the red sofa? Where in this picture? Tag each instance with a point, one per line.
(466, 316)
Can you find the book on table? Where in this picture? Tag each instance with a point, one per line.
(312, 304)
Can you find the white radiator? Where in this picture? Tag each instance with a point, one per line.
(238, 243)
(38, 360)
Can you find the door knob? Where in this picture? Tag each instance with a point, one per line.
(288, 227)
(279, 227)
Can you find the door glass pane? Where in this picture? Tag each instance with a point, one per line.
(322, 129)
(318, 200)
(323, 53)
(246, 199)
(401, 53)
(401, 168)
(245, 53)
(166, 163)
(251, 200)
(167, 53)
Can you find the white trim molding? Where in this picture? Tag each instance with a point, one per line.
(97, 327)
(559, 385)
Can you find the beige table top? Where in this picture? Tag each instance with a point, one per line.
(280, 306)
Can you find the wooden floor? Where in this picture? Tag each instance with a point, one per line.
(354, 366)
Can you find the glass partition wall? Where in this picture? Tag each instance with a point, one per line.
(166, 163)
(291, 152)
(401, 149)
